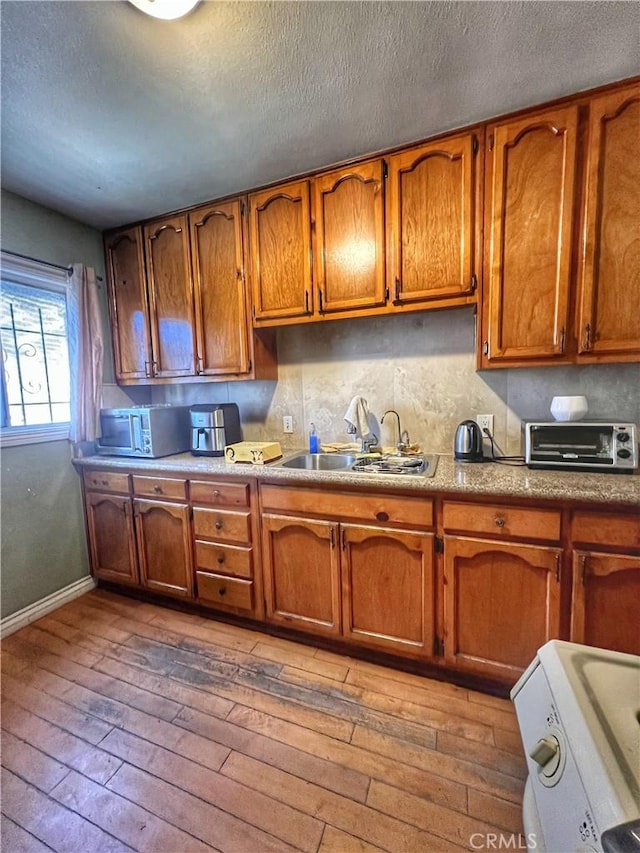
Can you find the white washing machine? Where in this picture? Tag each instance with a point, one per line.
(578, 710)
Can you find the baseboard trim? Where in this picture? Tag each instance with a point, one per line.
(40, 608)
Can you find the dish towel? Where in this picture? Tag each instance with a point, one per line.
(357, 417)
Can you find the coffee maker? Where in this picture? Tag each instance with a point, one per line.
(214, 425)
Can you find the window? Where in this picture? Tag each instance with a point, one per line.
(35, 379)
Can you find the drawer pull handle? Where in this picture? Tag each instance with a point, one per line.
(216, 493)
(220, 559)
(499, 521)
(157, 490)
(382, 516)
(218, 525)
(222, 590)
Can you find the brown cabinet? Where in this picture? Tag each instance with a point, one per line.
(433, 221)
(609, 319)
(388, 588)
(606, 580)
(112, 546)
(217, 251)
(502, 602)
(532, 196)
(349, 237)
(301, 573)
(171, 305)
(501, 596)
(562, 263)
(110, 532)
(164, 546)
(280, 233)
(128, 304)
(224, 547)
(370, 584)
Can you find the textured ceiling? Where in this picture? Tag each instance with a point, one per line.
(111, 116)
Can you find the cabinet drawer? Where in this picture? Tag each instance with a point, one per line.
(106, 481)
(224, 591)
(386, 509)
(597, 528)
(222, 526)
(219, 494)
(503, 520)
(160, 487)
(226, 559)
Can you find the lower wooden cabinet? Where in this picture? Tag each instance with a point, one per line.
(502, 602)
(112, 545)
(605, 601)
(370, 585)
(164, 546)
(388, 588)
(301, 573)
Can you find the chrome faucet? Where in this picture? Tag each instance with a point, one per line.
(403, 436)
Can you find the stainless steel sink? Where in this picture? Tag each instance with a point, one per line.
(320, 461)
(424, 466)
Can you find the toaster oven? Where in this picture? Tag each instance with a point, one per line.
(583, 445)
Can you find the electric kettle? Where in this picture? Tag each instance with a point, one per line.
(467, 446)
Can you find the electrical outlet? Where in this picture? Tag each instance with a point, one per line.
(485, 422)
(287, 424)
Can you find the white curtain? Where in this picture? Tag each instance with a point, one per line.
(86, 354)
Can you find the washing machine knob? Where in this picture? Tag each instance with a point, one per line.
(545, 750)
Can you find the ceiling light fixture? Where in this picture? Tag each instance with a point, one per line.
(168, 10)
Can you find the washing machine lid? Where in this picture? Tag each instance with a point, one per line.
(597, 694)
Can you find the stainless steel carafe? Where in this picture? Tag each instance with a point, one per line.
(467, 446)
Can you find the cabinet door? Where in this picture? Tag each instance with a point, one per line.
(349, 237)
(301, 571)
(128, 304)
(609, 321)
(388, 588)
(532, 189)
(502, 602)
(432, 222)
(280, 228)
(170, 297)
(220, 298)
(112, 544)
(164, 546)
(604, 607)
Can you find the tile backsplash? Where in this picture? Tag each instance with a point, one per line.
(422, 365)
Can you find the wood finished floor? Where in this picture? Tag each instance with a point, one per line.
(127, 726)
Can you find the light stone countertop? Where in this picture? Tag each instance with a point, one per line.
(489, 479)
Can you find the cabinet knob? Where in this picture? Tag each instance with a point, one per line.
(218, 525)
(220, 559)
(499, 521)
(157, 490)
(216, 493)
(382, 516)
(104, 482)
(222, 590)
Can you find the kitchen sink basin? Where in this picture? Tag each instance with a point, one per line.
(350, 463)
(320, 461)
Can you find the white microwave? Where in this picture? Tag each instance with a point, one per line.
(147, 431)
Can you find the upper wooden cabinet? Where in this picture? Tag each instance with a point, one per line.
(280, 231)
(217, 252)
(128, 304)
(609, 319)
(349, 237)
(433, 221)
(171, 305)
(562, 257)
(178, 300)
(532, 198)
